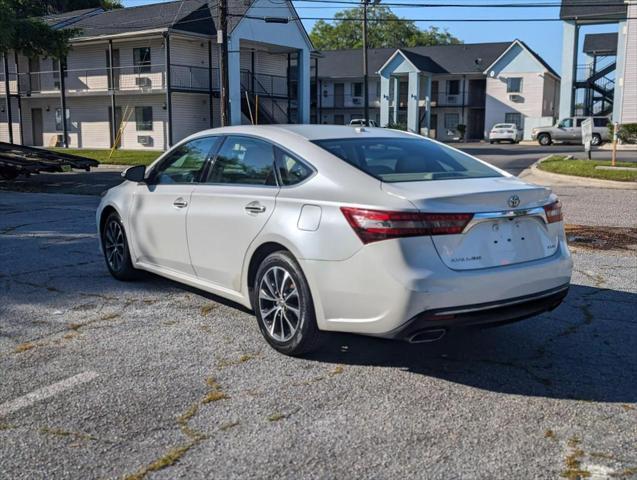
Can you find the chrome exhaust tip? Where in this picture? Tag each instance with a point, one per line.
(426, 336)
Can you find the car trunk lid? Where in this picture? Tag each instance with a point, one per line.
(508, 225)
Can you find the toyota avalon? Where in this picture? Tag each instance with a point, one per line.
(323, 228)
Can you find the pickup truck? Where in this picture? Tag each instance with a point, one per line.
(569, 130)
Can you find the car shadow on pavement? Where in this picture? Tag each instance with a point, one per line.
(583, 350)
(75, 182)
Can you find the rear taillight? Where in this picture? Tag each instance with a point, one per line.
(553, 212)
(374, 225)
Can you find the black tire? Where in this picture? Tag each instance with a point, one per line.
(122, 269)
(596, 140)
(544, 139)
(491, 142)
(305, 336)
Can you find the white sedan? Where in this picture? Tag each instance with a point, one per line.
(505, 132)
(324, 228)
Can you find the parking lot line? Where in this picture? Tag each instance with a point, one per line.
(45, 392)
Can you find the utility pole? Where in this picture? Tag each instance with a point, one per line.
(222, 39)
(365, 76)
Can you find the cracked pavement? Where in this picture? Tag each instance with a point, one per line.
(183, 385)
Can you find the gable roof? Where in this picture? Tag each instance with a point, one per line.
(524, 46)
(67, 18)
(601, 43)
(456, 58)
(188, 15)
(590, 10)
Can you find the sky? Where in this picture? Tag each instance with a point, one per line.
(545, 38)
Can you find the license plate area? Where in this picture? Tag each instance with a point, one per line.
(497, 242)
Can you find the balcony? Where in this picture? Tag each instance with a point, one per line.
(127, 79)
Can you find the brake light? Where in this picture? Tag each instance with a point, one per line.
(553, 212)
(374, 225)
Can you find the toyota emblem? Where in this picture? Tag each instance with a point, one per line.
(513, 201)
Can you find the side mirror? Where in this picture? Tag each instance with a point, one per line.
(135, 173)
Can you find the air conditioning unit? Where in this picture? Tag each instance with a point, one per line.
(145, 140)
(516, 97)
(452, 99)
(357, 100)
(143, 82)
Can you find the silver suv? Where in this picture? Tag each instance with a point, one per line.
(569, 130)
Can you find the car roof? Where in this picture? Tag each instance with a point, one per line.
(308, 132)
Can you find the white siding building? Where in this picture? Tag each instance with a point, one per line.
(164, 81)
(476, 85)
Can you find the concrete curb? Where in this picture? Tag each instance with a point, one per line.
(534, 175)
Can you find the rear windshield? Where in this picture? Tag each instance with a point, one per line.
(504, 125)
(406, 159)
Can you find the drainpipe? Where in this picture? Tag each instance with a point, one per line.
(288, 88)
(7, 90)
(210, 91)
(19, 97)
(65, 131)
(316, 85)
(111, 79)
(169, 107)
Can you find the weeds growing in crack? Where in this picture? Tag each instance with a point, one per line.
(65, 433)
(174, 454)
(228, 426)
(242, 359)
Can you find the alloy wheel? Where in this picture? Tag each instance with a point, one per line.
(114, 245)
(279, 304)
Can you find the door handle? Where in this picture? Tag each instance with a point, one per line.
(180, 203)
(254, 207)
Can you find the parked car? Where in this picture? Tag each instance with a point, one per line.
(361, 122)
(569, 130)
(508, 132)
(327, 228)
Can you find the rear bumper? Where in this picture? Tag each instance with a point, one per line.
(386, 285)
(482, 314)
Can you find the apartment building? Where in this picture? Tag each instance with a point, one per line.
(434, 89)
(145, 77)
(601, 77)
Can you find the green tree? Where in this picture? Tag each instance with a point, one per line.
(383, 31)
(21, 30)
(59, 6)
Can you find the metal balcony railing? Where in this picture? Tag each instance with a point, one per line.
(132, 78)
(265, 84)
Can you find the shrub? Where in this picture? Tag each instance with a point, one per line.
(461, 128)
(397, 126)
(626, 133)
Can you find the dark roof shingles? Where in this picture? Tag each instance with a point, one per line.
(600, 43)
(592, 10)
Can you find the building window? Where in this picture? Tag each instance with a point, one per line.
(378, 89)
(58, 119)
(453, 87)
(143, 118)
(514, 85)
(141, 59)
(513, 118)
(357, 89)
(451, 121)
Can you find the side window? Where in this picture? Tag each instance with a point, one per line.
(185, 163)
(566, 123)
(244, 161)
(143, 119)
(291, 169)
(579, 122)
(600, 122)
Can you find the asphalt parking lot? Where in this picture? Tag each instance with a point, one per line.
(151, 379)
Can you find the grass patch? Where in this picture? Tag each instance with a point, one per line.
(118, 157)
(23, 347)
(586, 168)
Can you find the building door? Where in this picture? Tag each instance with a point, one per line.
(477, 93)
(36, 127)
(34, 75)
(116, 69)
(339, 95)
(475, 129)
(339, 119)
